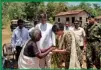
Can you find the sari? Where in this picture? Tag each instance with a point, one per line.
(26, 62)
(72, 58)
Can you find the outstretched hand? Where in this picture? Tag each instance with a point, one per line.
(53, 48)
(59, 51)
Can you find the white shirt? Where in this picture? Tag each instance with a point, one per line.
(79, 34)
(71, 28)
(19, 37)
(48, 37)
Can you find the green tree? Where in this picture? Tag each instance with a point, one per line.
(31, 9)
(16, 10)
(54, 8)
(61, 7)
(97, 8)
(42, 8)
(5, 15)
(51, 9)
(94, 9)
(12, 10)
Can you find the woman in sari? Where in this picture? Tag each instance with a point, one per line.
(68, 51)
(30, 54)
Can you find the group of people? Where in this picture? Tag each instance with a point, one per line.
(35, 47)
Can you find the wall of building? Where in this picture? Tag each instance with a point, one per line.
(84, 16)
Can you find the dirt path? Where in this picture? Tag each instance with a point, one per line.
(6, 35)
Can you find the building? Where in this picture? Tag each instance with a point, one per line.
(98, 19)
(71, 16)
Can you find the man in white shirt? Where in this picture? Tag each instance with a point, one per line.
(19, 37)
(79, 34)
(47, 40)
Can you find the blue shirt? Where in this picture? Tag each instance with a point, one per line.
(19, 37)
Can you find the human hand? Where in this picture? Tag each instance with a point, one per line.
(53, 48)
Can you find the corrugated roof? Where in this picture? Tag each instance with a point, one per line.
(72, 12)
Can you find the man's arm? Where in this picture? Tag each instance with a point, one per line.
(59, 51)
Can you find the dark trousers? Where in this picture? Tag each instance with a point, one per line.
(18, 50)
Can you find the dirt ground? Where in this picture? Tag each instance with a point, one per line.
(6, 35)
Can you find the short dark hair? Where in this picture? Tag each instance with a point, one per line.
(20, 21)
(91, 16)
(76, 21)
(35, 22)
(57, 27)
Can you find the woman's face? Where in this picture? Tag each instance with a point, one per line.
(39, 37)
(59, 33)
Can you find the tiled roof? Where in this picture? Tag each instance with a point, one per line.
(72, 12)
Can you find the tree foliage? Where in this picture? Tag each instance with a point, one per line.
(94, 9)
(31, 10)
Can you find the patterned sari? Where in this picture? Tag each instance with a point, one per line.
(73, 57)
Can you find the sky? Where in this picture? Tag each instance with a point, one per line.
(76, 3)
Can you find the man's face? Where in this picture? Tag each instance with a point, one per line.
(43, 20)
(91, 20)
(20, 25)
(76, 24)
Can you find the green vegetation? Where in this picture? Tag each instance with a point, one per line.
(31, 10)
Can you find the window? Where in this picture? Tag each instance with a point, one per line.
(80, 18)
(67, 18)
(58, 19)
(73, 19)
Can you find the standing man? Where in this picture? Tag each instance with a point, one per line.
(80, 35)
(19, 37)
(47, 40)
(93, 43)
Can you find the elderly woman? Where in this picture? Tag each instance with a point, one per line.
(30, 54)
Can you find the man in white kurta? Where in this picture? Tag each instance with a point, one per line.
(47, 40)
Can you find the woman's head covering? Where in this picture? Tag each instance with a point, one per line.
(34, 33)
